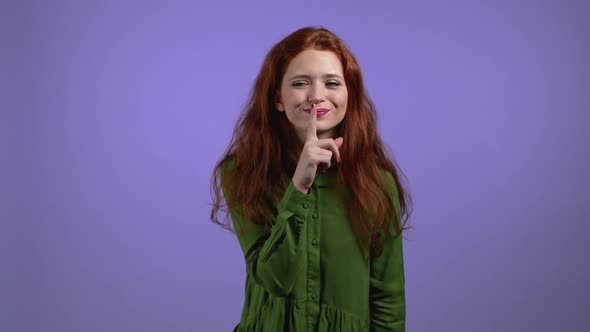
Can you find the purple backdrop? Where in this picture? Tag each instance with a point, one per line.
(115, 113)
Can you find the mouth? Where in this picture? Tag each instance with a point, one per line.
(321, 111)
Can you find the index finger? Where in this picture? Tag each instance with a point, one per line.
(311, 126)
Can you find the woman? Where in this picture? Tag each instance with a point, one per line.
(316, 203)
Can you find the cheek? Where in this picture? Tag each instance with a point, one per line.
(342, 99)
(297, 96)
(296, 103)
(291, 98)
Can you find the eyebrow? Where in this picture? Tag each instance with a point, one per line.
(329, 75)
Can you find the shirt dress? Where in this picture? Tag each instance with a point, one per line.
(310, 274)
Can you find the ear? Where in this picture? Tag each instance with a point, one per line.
(280, 107)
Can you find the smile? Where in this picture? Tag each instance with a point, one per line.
(321, 111)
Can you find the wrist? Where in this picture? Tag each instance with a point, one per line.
(300, 188)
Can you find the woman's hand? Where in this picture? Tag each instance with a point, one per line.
(317, 155)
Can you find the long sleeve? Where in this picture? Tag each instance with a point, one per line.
(387, 284)
(273, 260)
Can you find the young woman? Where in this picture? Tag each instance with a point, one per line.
(315, 201)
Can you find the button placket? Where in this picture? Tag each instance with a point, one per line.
(313, 260)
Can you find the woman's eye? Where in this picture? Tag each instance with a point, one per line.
(302, 83)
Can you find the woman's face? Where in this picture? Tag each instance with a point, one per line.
(314, 76)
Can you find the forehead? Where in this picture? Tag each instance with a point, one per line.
(315, 61)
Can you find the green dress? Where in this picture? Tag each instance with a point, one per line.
(310, 274)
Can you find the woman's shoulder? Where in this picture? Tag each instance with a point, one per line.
(389, 181)
(226, 181)
(387, 176)
(227, 164)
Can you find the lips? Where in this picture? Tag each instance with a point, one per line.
(321, 111)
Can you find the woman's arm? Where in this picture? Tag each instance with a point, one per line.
(387, 287)
(274, 260)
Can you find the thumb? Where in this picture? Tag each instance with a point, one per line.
(339, 142)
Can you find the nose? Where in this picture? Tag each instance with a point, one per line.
(316, 101)
(315, 95)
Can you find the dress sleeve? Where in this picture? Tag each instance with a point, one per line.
(387, 285)
(274, 259)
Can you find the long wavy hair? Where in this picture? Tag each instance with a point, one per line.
(265, 149)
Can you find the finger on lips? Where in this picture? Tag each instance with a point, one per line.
(311, 128)
(328, 144)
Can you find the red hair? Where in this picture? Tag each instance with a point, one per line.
(264, 150)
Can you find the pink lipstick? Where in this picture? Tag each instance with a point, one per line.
(321, 111)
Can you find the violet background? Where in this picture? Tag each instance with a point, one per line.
(113, 114)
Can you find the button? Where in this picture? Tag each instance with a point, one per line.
(312, 296)
(305, 205)
(314, 216)
(314, 242)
